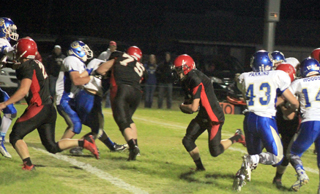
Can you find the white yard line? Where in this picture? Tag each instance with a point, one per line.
(315, 171)
(98, 172)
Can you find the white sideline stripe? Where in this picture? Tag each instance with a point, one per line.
(316, 171)
(99, 173)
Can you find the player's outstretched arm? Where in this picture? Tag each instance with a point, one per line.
(19, 94)
(104, 67)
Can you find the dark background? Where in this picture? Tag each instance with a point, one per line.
(132, 21)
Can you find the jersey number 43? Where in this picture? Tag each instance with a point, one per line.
(250, 94)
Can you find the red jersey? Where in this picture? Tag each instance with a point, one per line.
(198, 85)
(39, 90)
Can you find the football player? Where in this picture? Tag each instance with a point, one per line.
(70, 81)
(278, 58)
(287, 124)
(307, 89)
(126, 75)
(40, 113)
(201, 98)
(7, 33)
(89, 108)
(259, 87)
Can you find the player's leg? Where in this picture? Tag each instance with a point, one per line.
(47, 135)
(123, 106)
(71, 117)
(317, 146)
(268, 132)
(9, 113)
(193, 131)
(254, 145)
(89, 109)
(286, 137)
(133, 99)
(24, 125)
(307, 134)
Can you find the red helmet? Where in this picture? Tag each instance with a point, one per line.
(135, 52)
(184, 63)
(26, 48)
(316, 54)
(289, 69)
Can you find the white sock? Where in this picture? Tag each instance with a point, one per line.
(5, 124)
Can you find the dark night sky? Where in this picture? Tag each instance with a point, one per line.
(121, 20)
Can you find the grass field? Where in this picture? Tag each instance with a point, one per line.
(163, 167)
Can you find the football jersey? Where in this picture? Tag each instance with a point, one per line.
(95, 83)
(198, 85)
(126, 70)
(65, 89)
(39, 90)
(5, 49)
(308, 91)
(261, 89)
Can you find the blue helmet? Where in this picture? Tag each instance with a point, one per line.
(8, 29)
(80, 50)
(278, 57)
(261, 61)
(309, 66)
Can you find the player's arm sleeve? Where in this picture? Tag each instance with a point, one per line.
(240, 83)
(283, 81)
(27, 71)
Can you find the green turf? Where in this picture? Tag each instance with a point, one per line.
(163, 167)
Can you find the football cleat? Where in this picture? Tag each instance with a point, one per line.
(277, 183)
(3, 150)
(239, 180)
(243, 139)
(302, 179)
(77, 151)
(89, 144)
(27, 167)
(133, 153)
(119, 148)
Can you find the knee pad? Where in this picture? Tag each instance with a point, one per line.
(188, 143)
(53, 148)
(11, 116)
(216, 150)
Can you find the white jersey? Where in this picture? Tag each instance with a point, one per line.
(6, 49)
(261, 89)
(308, 92)
(95, 83)
(105, 55)
(65, 89)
